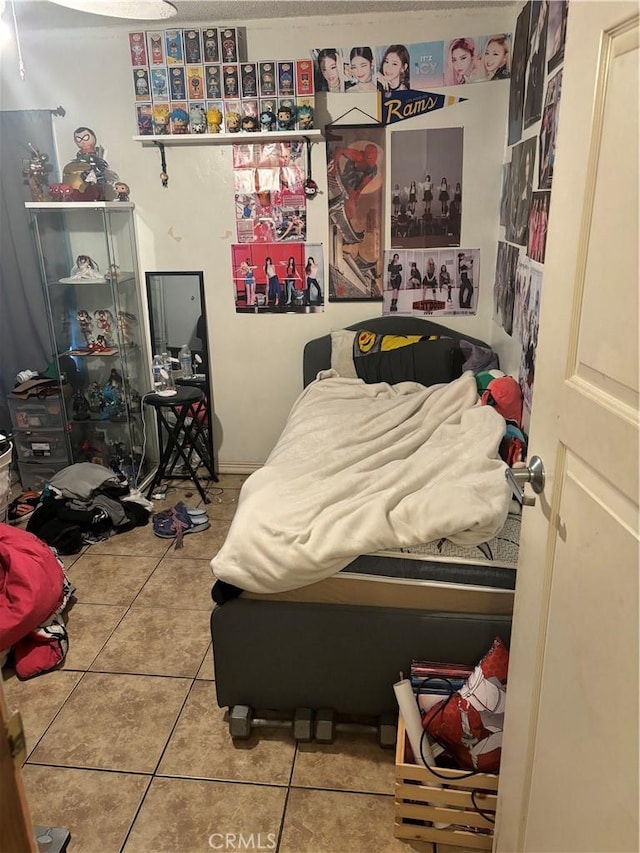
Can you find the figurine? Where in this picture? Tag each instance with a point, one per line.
(113, 273)
(112, 394)
(80, 407)
(85, 269)
(249, 124)
(233, 120)
(179, 120)
(104, 322)
(122, 191)
(36, 171)
(61, 192)
(197, 119)
(96, 399)
(286, 117)
(86, 324)
(268, 121)
(305, 117)
(214, 120)
(126, 322)
(86, 174)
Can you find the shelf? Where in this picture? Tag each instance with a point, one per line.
(226, 138)
(85, 281)
(79, 205)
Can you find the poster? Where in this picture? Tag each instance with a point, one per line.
(522, 170)
(356, 183)
(549, 132)
(538, 223)
(518, 72)
(431, 282)
(277, 278)
(270, 203)
(504, 195)
(534, 90)
(426, 181)
(556, 33)
(531, 323)
(505, 286)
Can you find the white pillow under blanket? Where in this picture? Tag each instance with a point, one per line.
(342, 353)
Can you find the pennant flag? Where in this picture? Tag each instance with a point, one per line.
(398, 106)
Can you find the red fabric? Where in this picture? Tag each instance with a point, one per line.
(469, 723)
(505, 395)
(35, 654)
(31, 584)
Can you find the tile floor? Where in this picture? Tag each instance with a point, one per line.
(128, 749)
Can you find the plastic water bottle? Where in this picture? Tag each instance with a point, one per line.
(185, 361)
(156, 370)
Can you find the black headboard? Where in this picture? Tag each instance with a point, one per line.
(317, 353)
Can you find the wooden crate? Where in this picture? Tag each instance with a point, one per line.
(419, 801)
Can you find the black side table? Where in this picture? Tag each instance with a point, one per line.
(203, 413)
(182, 436)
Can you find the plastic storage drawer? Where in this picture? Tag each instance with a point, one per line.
(41, 445)
(36, 413)
(34, 475)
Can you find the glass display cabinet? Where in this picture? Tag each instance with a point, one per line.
(88, 259)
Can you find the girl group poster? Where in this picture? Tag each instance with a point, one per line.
(269, 196)
(419, 67)
(433, 282)
(273, 278)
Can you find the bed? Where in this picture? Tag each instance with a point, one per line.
(323, 640)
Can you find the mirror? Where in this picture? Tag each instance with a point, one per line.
(177, 316)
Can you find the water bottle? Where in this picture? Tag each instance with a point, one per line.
(185, 361)
(156, 370)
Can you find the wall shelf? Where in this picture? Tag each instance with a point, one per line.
(227, 138)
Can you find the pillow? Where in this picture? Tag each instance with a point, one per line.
(427, 361)
(469, 723)
(505, 395)
(342, 343)
(478, 358)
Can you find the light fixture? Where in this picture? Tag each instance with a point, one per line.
(148, 10)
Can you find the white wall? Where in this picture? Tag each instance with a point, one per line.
(256, 360)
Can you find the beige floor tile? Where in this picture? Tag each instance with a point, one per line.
(157, 641)
(89, 627)
(194, 816)
(104, 579)
(137, 542)
(179, 584)
(354, 762)
(230, 481)
(205, 673)
(201, 746)
(223, 507)
(189, 496)
(204, 545)
(334, 822)
(96, 807)
(114, 722)
(39, 700)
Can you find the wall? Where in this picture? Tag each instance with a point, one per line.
(256, 361)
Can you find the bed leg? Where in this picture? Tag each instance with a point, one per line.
(387, 730)
(303, 725)
(240, 722)
(325, 727)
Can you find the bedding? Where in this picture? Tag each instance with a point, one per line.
(361, 468)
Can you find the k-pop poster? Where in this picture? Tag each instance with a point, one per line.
(433, 282)
(549, 132)
(426, 187)
(522, 169)
(504, 287)
(537, 60)
(356, 183)
(530, 324)
(556, 33)
(518, 75)
(538, 223)
(275, 278)
(269, 192)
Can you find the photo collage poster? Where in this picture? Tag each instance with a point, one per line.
(431, 282)
(270, 203)
(356, 187)
(418, 67)
(197, 80)
(278, 278)
(426, 188)
(504, 290)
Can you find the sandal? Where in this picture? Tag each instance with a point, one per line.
(23, 506)
(175, 523)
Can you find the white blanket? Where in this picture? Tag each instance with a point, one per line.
(362, 468)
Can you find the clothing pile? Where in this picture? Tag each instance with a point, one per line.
(34, 591)
(86, 503)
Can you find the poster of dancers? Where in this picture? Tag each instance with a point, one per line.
(431, 282)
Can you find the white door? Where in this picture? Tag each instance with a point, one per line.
(569, 776)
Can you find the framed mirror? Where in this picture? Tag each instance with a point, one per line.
(177, 316)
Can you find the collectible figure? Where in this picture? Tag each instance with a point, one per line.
(305, 117)
(212, 75)
(230, 74)
(87, 174)
(229, 45)
(248, 79)
(113, 273)
(159, 84)
(85, 323)
(286, 117)
(192, 46)
(126, 323)
(144, 119)
(194, 82)
(36, 171)
(160, 119)
(249, 124)
(155, 49)
(197, 118)
(304, 76)
(85, 269)
(61, 192)
(105, 323)
(233, 121)
(268, 121)
(138, 52)
(141, 84)
(96, 399)
(179, 120)
(210, 37)
(80, 407)
(173, 39)
(285, 79)
(214, 120)
(113, 397)
(122, 191)
(176, 79)
(267, 79)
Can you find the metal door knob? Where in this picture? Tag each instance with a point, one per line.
(533, 474)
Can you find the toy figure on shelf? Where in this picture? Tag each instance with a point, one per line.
(286, 117)
(36, 171)
(86, 324)
(113, 274)
(233, 120)
(87, 174)
(85, 269)
(268, 121)
(214, 120)
(80, 407)
(105, 323)
(113, 395)
(122, 191)
(179, 120)
(127, 322)
(61, 192)
(305, 117)
(197, 119)
(96, 399)
(249, 124)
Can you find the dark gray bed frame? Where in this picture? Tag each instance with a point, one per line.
(319, 662)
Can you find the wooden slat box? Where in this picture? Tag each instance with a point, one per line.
(420, 800)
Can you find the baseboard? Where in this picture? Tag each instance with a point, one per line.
(238, 467)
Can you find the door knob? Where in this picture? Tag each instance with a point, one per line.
(533, 473)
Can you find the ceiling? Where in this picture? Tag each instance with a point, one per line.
(41, 14)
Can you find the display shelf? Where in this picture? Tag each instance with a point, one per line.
(84, 281)
(79, 205)
(226, 138)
